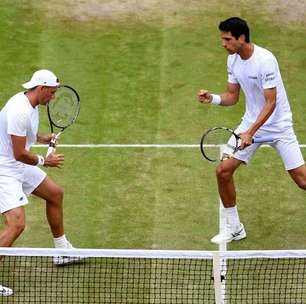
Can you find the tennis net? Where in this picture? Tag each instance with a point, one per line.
(154, 276)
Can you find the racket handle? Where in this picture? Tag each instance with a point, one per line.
(50, 151)
(52, 144)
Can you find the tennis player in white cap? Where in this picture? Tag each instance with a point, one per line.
(20, 169)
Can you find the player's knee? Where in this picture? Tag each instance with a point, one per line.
(58, 194)
(17, 227)
(223, 172)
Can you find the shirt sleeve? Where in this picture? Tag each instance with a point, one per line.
(231, 78)
(17, 122)
(269, 72)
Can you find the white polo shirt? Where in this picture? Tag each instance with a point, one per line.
(18, 117)
(259, 72)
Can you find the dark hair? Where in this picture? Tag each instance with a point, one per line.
(236, 26)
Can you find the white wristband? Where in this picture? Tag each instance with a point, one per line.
(41, 160)
(216, 99)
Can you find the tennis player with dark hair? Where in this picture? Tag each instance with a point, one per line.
(267, 114)
(20, 172)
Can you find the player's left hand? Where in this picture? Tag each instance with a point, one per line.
(45, 138)
(204, 97)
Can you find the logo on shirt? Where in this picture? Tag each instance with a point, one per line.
(269, 76)
(252, 77)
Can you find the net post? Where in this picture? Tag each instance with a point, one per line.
(222, 246)
(222, 219)
(217, 278)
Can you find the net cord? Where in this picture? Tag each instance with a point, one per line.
(154, 254)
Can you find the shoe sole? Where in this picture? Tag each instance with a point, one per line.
(239, 237)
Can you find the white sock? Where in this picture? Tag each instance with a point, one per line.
(62, 242)
(232, 216)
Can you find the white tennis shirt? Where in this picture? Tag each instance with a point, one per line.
(17, 117)
(259, 72)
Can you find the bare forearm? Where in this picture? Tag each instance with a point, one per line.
(266, 112)
(228, 99)
(262, 117)
(225, 99)
(27, 157)
(53, 160)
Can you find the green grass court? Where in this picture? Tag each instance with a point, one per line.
(138, 68)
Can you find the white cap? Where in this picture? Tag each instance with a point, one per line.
(43, 78)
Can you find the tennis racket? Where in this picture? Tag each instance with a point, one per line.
(62, 111)
(214, 137)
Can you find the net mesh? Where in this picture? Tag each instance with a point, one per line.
(35, 279)
(153, 277)
(268, 280)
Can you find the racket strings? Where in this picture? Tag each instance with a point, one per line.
(63, 111)
(64, 108)
(213, 140)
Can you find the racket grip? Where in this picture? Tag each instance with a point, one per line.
(52, 144)
(50, 151)
(51, 147)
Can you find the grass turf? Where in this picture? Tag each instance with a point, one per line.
(138, 79)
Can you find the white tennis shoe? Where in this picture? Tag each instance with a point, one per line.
(5, 291)
(230, 234)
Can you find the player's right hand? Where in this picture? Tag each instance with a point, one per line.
(246, 140)
(204, 96)
(54, 160)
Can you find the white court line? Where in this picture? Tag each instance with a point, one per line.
(175, 146)
(126, 146)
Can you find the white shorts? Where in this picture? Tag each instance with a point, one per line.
(285, 143)
(13, 191)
